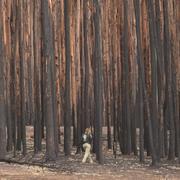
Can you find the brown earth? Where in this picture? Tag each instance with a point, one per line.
(21, 172)
(67, 168)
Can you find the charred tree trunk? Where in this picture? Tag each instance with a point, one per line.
(67, 118)
(2, 88)
(22, 83)
(86, 58)
(168, 63)
(51, 151)
(37, 82)
(154, 60)
(98, 82)
(142, 79)
(127, 114)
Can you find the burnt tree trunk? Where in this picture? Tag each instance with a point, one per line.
(67, 118)
(142, 79)
(22, 83)
(168, 63)
(37, 82)
(98, 88)
(51, 151)
(127, 113)
(2, 88)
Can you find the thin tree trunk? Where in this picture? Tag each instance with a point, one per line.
(37, 85)
(86, 56)
(2, 88)
(126, 66)
(168, 63)
(67, 118)
(22, 85)
(98, 82)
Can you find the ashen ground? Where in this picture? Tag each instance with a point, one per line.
(67, 168)
(23, 172)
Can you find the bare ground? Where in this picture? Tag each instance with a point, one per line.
(18, 172)
(67, 168)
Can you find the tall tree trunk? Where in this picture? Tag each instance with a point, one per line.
(13, 71)
(161, 79)
(168, 63)
(22, 83)
(77, 70)
(67, 118)
(2, 88)
(142, 79)
(8, 76)
(126, 78)
(37, 82)
(98, 82)
(154, 59)
(86, 56)
(51, 151)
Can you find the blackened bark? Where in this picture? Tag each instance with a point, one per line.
(13, 82)
(2, 88)
(22, 85)
(82, 71)
(86, 56)
(142, 78)
(161, 79)
(18, 107)
(8, 78)
(98, 82)
(37, 85)
(141, 119)
(154, 59)
(51, 152)
(168, 63)
(126, 76)
(108, 116)
(67, 118)
(176, 111)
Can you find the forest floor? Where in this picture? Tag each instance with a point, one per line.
(123, 167)
(21, 172)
